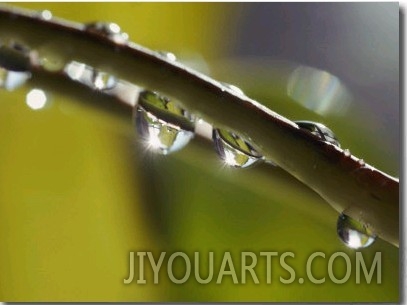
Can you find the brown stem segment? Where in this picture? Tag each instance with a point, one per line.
(350, 186)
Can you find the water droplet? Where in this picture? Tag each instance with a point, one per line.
(15, 57)
(162, 125)
(320, 130)
(233, 150)
(19, 48)
(51, 61)
(102, 80)
(234, 88)
(11, 80)
(53, 55)
(168, 55)
(361, 162)
(354, 234)
(346, 152)
(110, 30)
(45, 14)
(75, 70)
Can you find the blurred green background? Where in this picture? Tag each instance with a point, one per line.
(77, 194)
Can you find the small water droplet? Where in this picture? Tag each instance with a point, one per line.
(23, 49)
(110, 30)
(15, 57)
(234, 88)
(346, 152)
(102, 80)
(53, 55)
(361, 162)
(168, 55)
(45, 14)
(320, 130)
(162, 125)
(75, 70)
(11, 80)
(354, 234)
(233, 150)
(52, 62)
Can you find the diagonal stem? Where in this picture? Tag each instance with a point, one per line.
(361, 191)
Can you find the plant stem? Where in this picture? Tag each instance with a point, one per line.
(350, 186)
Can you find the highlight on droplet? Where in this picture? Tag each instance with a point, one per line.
(353, 233)
(233, 150)
(162, 125)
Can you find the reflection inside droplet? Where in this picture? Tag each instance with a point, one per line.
(15, 56)
(318, 91)
(110, 30)
(93, 78)
(320, 130)
(46, 15)
(75, 70)
(11, 80)
(103, 81)
(233, 150)
(354, 234)
(163, 126)
(51, 61)
(36, 99)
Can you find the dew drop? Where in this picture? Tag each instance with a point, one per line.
(347, 153)
(168, 55)
(234, 88)
(354, 234)
(15, 57)
(110, 30)
(319, 130)
(45, 15)
(10, 80)
(52, 56)
(102, 80)
(163, 126)
(75, 70)
(52, 62)
(233, 150)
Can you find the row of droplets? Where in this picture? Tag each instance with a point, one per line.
(165, 127)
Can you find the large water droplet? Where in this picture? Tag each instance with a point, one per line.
(233, 150)
(162, 125)
(320, 130)
(11, 80)
(102, 80)
(110, 30)
(354, 234)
